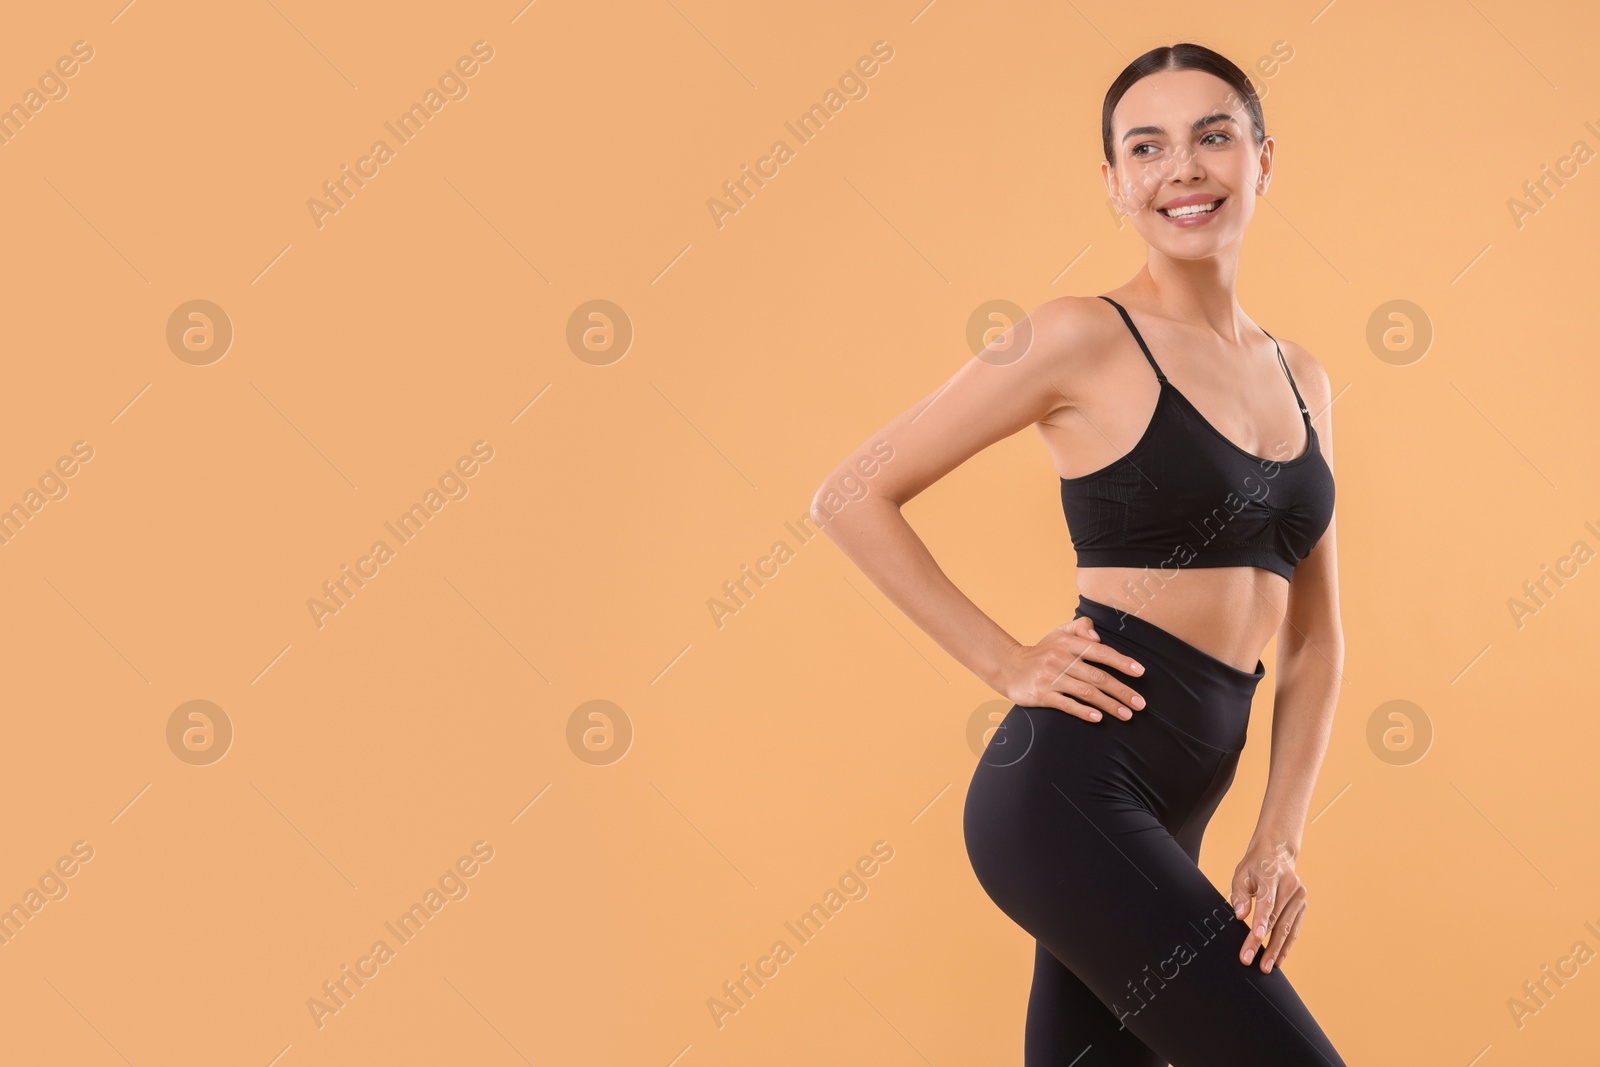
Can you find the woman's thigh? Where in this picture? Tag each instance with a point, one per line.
(1068, 1024)
(1073, 829)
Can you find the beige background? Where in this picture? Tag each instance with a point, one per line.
(768, 754)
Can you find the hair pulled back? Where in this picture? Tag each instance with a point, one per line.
(1184, 55)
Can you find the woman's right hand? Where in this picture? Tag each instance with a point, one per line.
(1061, 672)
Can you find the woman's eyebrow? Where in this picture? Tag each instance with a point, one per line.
(1197, 125)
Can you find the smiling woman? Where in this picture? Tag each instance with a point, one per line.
(1198, 490)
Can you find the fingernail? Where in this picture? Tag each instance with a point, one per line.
(1138, 701)
(1261, 931)
(1137, 669)
(1124, 712)
(1095, 715)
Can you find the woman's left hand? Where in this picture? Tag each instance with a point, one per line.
(1267, 876)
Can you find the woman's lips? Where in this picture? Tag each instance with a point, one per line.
(1194, 218)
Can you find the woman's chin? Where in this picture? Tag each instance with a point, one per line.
(1197, 246)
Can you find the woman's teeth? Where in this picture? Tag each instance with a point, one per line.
(1192, 209)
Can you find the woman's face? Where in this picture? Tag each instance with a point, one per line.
(1164, 162)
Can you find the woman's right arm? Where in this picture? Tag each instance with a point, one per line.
(1018, 380)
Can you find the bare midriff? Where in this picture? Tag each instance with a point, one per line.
(1229, 613)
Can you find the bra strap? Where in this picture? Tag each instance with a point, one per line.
(1146, 348)
(1286, 373)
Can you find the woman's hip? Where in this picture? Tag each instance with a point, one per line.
(1186, 688)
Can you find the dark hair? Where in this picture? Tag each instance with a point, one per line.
(1182, 56)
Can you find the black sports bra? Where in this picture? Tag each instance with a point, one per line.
(1187, 496)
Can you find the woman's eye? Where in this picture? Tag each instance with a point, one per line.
(1138, 150)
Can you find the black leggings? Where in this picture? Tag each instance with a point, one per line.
(1087, 834)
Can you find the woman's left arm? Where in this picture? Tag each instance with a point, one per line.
(1310, 664)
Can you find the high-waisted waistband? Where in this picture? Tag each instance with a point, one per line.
(1203, 696)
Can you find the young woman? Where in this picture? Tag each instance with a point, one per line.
(1196, 482)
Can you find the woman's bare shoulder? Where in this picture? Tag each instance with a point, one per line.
(1309, 375)
(1074, 334)
(1070, 313)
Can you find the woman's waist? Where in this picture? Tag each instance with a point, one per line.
(1202, 696)
(1227, 618)
(1175, 670)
